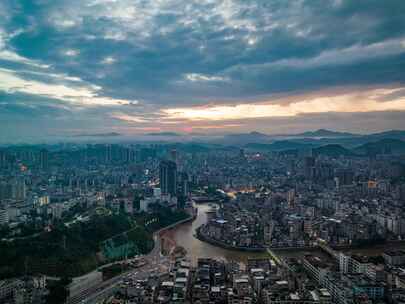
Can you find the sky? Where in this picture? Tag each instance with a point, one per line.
(75, 67)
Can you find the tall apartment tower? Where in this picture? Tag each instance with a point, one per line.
(44, 159)
(19, 191)
(168, 177)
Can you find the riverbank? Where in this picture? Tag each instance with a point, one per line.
(191, 218)
(78, 249)
(156, 235)
(185, 236)
(204, 238)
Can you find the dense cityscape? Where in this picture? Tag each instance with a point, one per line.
(96, 223)
(202, 152)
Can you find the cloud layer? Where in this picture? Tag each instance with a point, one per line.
(214, 65)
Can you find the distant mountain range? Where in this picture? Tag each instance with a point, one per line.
(393, 134)
(386, 145)
(383, 146)
(245, 138)
(313, 138)
(110, 134)
(324, 133)
(255, 136)
(260, 137)
(322, 141)
(280, 145)
(333, 150)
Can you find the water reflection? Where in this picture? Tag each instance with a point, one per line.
(184, 236)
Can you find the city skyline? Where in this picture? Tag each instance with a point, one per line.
(202, 151)
(69, 68)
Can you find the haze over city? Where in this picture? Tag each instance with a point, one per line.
(202, 151)
(69, 68)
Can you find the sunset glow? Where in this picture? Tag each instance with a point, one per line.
(346, 103)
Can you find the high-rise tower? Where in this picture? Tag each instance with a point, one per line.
(168, 177)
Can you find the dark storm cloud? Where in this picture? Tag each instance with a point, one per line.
(167, 54)
(17, 106)
(156, 53)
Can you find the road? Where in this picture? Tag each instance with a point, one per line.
(155, 262)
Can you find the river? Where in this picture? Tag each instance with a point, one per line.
(184, 236)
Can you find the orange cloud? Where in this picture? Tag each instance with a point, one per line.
(368, 101)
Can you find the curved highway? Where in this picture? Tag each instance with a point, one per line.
(155, 262)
